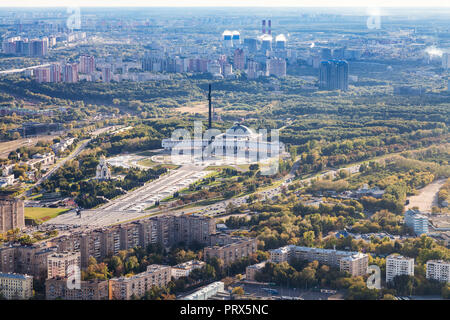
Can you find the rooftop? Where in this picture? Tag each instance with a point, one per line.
(15, 276)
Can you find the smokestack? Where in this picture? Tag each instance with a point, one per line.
(210, 111)
(270, 26)
(264, 26)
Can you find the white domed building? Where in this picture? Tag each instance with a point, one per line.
(239, 144)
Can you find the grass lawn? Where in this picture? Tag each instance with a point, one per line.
(219, 168)
(147, 163)
(43, 214)
(169, 166)
(147, 153)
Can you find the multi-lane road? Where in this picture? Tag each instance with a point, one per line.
(133, 204)
(10, 71)
(269, 193)
(73, 155)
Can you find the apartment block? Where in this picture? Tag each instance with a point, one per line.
(355, 263)
(70, 73)
(42, 75)
(416, 221)
(124, 288)
(276, 67)
(7, 259)
(333, 75)
(62, 264)
(11, 214)
(238, 248)
(67, 242)
(281, 254)
(87, 64)
(165, 230)
(104, 242)
(239, 59)
(56, 288)
(191, 229)
(438, 270)
(31, 260)
(16, 286)
(397, 265)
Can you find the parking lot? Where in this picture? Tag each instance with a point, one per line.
(276, 292)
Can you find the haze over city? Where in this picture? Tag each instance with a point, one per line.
(225, 151)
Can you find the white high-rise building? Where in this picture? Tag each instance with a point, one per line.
(397, 265)
(214, 67)
(438, 270)
(416, 221)
(227, 69)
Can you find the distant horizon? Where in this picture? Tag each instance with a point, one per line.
(224, 4)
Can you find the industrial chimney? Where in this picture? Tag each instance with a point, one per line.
(270, 26)
(263, 26)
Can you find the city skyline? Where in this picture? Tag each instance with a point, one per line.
(224, 153)
(224, 3)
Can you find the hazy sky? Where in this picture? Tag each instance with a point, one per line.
(225, 3)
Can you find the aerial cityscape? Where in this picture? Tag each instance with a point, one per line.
(224, 153)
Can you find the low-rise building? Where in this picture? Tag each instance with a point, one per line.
(124, 288)
(184, 269)
(42, 159)
(207, 291)
(15, 286)
(438, 270)
(61, 146)
(252, 270)
(397, 265)
(365, 191)
(7, 180)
